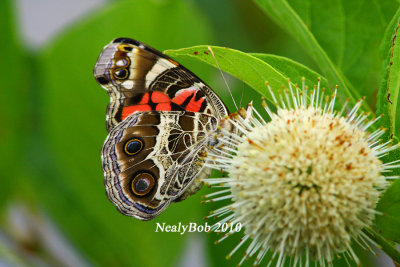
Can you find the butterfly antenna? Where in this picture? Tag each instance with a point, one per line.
(223, 77)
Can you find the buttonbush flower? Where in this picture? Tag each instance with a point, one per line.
(303, 185)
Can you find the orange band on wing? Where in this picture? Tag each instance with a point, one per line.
(163, 107)
(193, 105)
(159, 97)
(182, 96)
(145, 99)
(163, 102)
(126, 111)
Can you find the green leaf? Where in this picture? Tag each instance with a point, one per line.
(72, 115)
(253, 69)
(281, 11)
(245, 67)
(388, 104)
(342, 37)
(353, 38)
(14, 77)
(364, 23)
(292, 69)
(388, 96)
(389, 205)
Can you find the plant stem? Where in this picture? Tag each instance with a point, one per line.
(384, 245)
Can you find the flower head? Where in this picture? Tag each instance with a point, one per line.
(304, 184)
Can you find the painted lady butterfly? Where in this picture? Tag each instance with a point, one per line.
(160, 119)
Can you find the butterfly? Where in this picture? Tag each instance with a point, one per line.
(160, 120)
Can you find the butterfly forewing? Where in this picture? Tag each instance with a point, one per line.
(140, 78)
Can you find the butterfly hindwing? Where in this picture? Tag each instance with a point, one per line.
(149, 159)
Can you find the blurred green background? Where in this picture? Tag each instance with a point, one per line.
(53, 208)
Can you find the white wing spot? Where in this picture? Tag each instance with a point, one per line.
(127, 84)
(120, 63)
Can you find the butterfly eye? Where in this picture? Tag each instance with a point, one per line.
(133, 146)
(121, 74)
(143, 183)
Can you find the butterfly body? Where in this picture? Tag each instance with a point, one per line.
(160, 119)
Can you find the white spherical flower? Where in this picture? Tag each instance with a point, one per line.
(306, 183)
